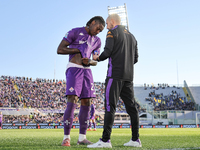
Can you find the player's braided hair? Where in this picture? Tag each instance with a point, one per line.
(98, 19)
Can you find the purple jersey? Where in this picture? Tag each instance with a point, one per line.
(80, 39)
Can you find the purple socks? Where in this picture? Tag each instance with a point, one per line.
(90, 124)
(68, 117)
(84, 118)
(94, 124)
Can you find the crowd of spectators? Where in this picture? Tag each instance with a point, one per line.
(34, 118)
(21, 92)
(159, 86)
(38, 118)
(172, 101)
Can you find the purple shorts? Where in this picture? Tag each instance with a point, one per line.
(92, 117)
(80, 82)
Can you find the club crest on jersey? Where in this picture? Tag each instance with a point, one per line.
(71, 89)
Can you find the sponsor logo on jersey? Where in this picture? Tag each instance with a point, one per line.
(82, 42)
(81, 33)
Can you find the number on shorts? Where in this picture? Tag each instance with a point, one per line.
(92, 86)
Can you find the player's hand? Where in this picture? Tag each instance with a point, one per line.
(95, 56)
(78, 51)
(85, 61)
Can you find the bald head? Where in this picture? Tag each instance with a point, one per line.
(113, 20)
(115, 17)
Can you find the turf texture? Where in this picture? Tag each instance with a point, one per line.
(154, 138)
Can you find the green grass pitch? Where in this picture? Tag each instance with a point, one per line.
(188, 138)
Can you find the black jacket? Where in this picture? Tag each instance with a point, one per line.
(121, 49)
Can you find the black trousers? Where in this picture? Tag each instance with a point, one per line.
(113, 89)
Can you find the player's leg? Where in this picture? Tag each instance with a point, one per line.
(94, 124)
(84, 115)
(68, 118)
(73, 90)
(86, 94)
(90, 125)
(127, 95)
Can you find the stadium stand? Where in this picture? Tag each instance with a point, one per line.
(195, 90)
(163, 98)
(45, 99)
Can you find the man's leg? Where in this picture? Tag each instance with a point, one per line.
(74, 78)
(86, 94)
(94, 124)
(127, 95)
(112, 91)
(68, 118)
(90, 125)
(84, 115)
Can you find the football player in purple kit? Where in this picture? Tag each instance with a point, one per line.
(80, 43)
(92, 117)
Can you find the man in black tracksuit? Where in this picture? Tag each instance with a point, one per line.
(121, 49)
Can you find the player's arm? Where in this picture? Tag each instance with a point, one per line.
(64, 50)
(108, 47)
